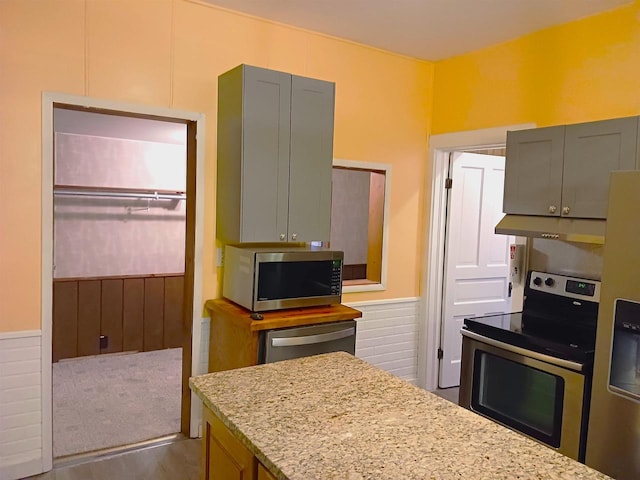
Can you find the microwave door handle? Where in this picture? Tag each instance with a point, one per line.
(312, 339)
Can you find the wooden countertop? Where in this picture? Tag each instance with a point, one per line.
(292, 317)
(334, 416)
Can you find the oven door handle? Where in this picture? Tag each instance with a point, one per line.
(577, 367)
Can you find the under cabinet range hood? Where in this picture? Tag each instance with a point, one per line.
(582, 230)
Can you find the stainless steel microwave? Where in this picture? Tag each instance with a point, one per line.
(262, 279)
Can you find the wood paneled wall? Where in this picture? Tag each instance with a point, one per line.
(135, 313)
(354, 271)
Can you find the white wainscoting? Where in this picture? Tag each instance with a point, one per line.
(20, 405)
(201, 368)
(203, 365)
(387, 335)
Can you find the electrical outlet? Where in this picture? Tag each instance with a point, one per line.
(220, 253)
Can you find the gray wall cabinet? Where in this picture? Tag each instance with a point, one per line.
(275, 154)
(533, 171)
(564, 170)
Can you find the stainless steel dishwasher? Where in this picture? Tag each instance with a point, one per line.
(295, 342)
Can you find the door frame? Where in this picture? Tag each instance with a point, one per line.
(430, 309)
(49, 100)
(479, 160)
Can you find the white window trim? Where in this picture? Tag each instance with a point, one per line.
(386, 168)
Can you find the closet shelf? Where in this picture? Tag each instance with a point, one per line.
(70, 191)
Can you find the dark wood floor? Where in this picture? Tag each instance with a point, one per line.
(179, 460)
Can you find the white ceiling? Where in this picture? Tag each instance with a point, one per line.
(425, 29)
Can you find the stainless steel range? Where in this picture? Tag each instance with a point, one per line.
(531, 370)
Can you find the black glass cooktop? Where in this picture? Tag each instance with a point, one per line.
(555, 320)
(526, 332)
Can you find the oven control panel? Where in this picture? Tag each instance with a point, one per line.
(562, 285)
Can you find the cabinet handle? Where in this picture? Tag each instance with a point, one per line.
(294, 236)
(565, 210)
(282, 236)
(552, 209)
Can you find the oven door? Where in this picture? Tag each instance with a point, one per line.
(540, 396)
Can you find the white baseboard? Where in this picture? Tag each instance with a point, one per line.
(20, 466)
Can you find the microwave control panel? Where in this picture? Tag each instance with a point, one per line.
(336, 277)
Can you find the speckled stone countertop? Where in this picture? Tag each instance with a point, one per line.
(335, 416)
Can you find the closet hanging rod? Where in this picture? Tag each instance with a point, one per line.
(101, 193)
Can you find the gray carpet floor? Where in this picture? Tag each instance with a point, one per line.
(107, 401)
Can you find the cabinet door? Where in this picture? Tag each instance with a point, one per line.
(264, 474)
(592, 151)
(224, 457)
(265, 155)
(533, 171)
(311, 158)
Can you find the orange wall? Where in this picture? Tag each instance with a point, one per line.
(581, 71)
(168, 53)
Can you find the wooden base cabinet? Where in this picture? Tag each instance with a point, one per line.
(225, 457)
(234, 337)
(264, 474)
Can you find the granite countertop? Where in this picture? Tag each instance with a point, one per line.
(334, 416)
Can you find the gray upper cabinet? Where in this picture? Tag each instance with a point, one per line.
(311, 159)
(533, 171)
(275, 153)
(591, 151)
(564, 170)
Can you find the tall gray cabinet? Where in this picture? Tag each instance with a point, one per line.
(275, 154)
(564, 170)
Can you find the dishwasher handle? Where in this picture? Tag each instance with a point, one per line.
(312, 339)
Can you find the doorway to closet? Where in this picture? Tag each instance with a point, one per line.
(119, 235)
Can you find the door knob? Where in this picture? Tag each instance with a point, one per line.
(294, 236)
(565, 210)
(282, 236)
(552, 209)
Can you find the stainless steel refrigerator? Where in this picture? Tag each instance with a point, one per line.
(613, 439)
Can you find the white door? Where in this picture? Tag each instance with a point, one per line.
(476, 276)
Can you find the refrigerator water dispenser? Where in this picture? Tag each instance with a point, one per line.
(624, 374)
